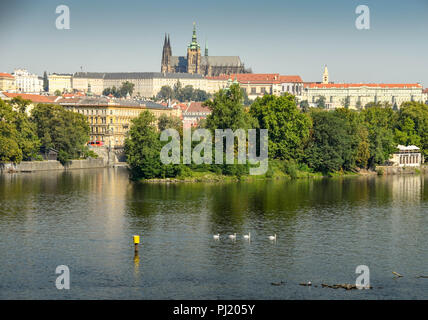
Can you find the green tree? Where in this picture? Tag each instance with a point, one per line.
(9, 148)
(57, 93)
(380, 122)
(45, 82)
(26, 138)
(321, 102)
(412, 125)
(142, 147)
(330, 146)
(304, 105)
(288, 129)
(227, 110)
(165, 93)
(169, 122)
(60, 129)
(126, 88)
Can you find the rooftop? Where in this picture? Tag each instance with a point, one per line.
(359, 85)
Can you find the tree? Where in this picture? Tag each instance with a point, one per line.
(200, 95)
(27, 138)
(227, 110)
(9, 148)
(359, 137)
(126, 88)
(412, 126)
(142, 147)
(45, 82)
(304, 105)
(57, 93)
(330, 146)
(288, 129)
(169, 122)
(321, 102)
(63, 130)
(165, 93)
(346, 102)
(380, 122)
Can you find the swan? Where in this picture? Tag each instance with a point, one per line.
(247, 236)
(232, 236)
(216, 236)
(272, 237)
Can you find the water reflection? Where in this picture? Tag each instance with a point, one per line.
(325, 228)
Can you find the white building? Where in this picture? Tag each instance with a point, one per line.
(406, 156)
(27, 82)
(357, 95)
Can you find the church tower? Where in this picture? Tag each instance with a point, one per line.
(166, 56)
(325, 75)
(194, 55)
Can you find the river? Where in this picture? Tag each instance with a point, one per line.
(325, 228)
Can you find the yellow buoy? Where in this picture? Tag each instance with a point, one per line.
(136, 239)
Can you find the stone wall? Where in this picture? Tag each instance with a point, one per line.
(31, 166)
(392, 170)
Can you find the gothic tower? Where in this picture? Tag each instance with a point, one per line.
(194, 55)
(166, 55)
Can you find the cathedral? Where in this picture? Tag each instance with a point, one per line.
(195, 63)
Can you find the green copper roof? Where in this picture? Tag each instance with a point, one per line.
(194, 44)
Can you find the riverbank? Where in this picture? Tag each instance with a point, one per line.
(277, 172)
(51, 165)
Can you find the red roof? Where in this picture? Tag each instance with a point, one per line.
(6, 75)
(258, 78)
(197, 107)
(32, 97)
(357, 85)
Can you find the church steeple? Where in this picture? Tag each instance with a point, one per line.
(206, 49)
(325, 75)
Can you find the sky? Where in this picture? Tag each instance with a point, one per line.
(270, 36)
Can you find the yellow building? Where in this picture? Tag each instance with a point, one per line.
(61, 82)
(110, 119)
(7, 82)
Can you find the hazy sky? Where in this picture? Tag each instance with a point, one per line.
(270, 36)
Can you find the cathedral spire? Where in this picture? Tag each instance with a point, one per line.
(206, 48)
(194, 44)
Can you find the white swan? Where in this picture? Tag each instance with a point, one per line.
(232, 236)
(272, 237)
(247, 236)
(216, 236)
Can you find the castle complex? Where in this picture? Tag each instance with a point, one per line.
(195, 63)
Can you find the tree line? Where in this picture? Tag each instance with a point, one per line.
(308, 139)
(182, 94)
(23, 137)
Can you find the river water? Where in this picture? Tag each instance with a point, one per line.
(325, 228)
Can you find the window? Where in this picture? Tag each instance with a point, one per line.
(253, 90)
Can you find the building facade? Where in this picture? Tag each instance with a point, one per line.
(259, 84)
(146, 84)
(7, 82)
(61, 82)
(406, 156)
(110, 119)
(357, 95)
(27, 82)
(195, 63)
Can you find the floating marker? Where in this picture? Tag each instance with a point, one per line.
(136, 242)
